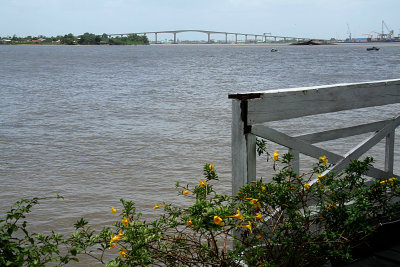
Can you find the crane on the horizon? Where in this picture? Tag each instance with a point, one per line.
(388, 35)
(348, 31)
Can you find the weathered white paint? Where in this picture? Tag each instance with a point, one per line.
(293, 143)
(251, 109)
(343, 132)
(243, 150)
(364, 146)
(283, 104)
(239, 150)
(389, 153)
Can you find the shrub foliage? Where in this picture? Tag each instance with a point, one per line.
(293, 220)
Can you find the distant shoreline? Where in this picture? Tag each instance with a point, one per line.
(370, 44)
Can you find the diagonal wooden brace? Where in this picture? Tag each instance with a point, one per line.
(364, 146)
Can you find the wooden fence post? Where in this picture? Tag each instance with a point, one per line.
(243, 147)
(389, 153)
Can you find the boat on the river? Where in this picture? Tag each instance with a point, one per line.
(372, 48)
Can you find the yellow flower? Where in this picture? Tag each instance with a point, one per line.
(307, 186)
(276, 155)
(319, 179)
(185, 192)
(116, 238)
(258, 216)
(189, 223)
(331, 205)
(323, 160)
(248, 226)
(252, 200)
(237, 215)
(122, 253)
(218, 221)
(125, 221)
(211, 167)
(156, 207)
(259, 236)
(392, 179)
(383, 182)
(114, 210)
(255, 202)
(202, 182)
(262, 188)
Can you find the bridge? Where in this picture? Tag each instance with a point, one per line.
(264, 36)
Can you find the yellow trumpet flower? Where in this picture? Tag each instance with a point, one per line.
(185, 192)
(114, 210)
(255, 202)
(156, 206)
(189, 223)
(323, 160)
(252, 200)
(307, 186)
(248, 226)
(258, 216)
(116, 238)
(218, 221)
(237, 215)
(211, 167)
(122, 253)
(276, 155)
(125, 221)
(202, 182)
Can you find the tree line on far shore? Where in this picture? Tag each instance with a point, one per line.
(84, 39)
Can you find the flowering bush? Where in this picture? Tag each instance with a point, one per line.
(290, 221)
(19, 247)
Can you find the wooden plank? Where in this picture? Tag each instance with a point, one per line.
(259, 94)
(239, 149)
(291, 142)
(372, 172)
(379, 174)
(251, 157)
(295, 163)
(389, 152)
(363, 147)
(293, 103)
(343, 132)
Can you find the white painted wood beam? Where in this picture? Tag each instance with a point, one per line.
(293, 143)
(343, 132)
(284, 104)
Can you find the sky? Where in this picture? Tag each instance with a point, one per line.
(322, 19)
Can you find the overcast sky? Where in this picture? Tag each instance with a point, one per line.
(299, 18)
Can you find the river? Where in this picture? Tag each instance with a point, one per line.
(100, 123)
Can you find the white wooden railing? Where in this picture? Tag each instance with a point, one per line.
(250, 110)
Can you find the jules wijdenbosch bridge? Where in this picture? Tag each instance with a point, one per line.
(263, 37)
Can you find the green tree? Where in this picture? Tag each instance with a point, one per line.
(68, 39)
